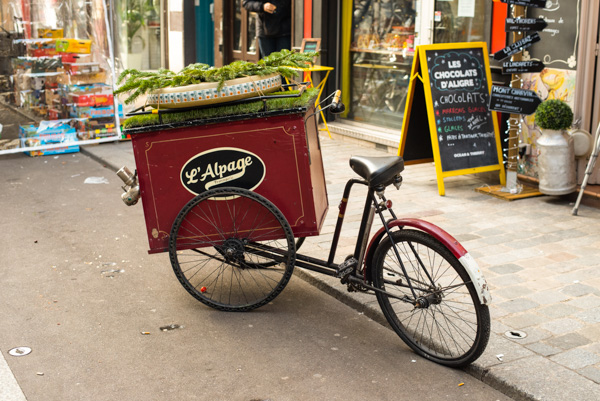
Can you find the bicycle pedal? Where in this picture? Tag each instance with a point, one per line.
(346, 268)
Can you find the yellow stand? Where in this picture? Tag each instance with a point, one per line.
(320, 87)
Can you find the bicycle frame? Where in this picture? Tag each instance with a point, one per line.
(362, 269)
(364, 253)
(329, 267)
(360, 276)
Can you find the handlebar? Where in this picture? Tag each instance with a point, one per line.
(336, 106)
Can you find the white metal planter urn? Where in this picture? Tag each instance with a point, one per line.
(556, 163)
(556, 158)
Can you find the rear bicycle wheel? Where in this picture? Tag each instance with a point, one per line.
(443, 320)
(232, 249)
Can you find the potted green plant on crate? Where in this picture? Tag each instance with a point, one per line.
(201, 85)
(277, 64)
(556, 158)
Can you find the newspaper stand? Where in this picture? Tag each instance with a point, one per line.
(275, 154)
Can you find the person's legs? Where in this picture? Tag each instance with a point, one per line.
(283, 42)
(270, 45)
(266, 46)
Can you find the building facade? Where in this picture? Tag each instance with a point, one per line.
(369, 43)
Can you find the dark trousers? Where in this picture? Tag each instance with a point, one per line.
(270, 45)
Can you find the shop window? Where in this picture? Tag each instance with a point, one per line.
(139, 39)
(56, 75)
(237, 26)
(382, 48)
(383, 38)
(462, 21)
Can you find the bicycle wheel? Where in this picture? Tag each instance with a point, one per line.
(449, 325)
(232, 249)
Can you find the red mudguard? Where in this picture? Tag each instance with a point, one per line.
(449, 241)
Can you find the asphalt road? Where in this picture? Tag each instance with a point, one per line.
(79, 289)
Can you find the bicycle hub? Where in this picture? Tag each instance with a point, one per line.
(131, 187)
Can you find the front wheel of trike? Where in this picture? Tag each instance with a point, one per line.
(443, 319)
(232, 249)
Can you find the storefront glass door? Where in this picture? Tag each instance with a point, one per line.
(244, 41)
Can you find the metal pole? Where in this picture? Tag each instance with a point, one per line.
(588, 170)
(111, 54)
(512, 185)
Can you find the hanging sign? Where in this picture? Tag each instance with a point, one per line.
(446, 118)
(516, 47)
(524, 24)
(526, 3)
(517, 67)
(514, 100)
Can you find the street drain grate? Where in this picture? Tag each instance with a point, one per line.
(19, 351)
(515, 334)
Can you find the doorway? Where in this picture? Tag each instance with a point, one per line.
(205, 31)
(235, 33)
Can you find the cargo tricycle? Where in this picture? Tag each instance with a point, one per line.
(231, 199)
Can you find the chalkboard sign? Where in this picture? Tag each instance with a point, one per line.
(526, 3)
(524, 24)
(558, 47)
(518, 46)
(462, 131)
(310, 45)
(514, 100)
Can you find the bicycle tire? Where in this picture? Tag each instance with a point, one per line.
(454, 328)
(232, 249)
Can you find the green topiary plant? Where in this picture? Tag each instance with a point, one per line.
(554, 114)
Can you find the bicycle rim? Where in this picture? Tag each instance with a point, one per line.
(232, 249)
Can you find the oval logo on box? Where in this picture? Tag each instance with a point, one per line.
(222, 167)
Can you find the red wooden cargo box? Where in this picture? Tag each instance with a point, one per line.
(274, 153)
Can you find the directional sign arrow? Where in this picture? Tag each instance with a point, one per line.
(513, 100)
(516, 67)
(525, 24)
(517, 46)
(526, 3)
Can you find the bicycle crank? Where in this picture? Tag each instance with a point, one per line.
(345, 269)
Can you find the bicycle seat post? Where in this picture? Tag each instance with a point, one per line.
(365, 226)
(340, 220)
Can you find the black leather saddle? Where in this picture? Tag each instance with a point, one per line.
(377, 170)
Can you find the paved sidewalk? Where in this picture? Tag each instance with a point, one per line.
(541, 262)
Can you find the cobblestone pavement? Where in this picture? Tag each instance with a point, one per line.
(541, 263)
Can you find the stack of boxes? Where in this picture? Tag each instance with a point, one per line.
(10, 47)
(51, 133)
(93, 103)
(58, 79)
